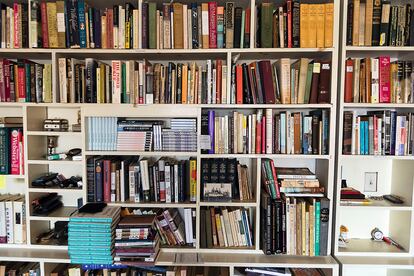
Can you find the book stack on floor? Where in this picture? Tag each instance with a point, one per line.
(111, 133)
(130, 179)
(12, 219)
(176, 227)
(378, 23)
(266, 132)
(197, 271)
(142, 82)
(136, 241)
(16, 268)
(25, 81)
(286, 81)
(226, 228)
(91, 236)
(378, 80)
(381, 132)
(294, 24)
(195, 25)
(11, 146)
(14, 26)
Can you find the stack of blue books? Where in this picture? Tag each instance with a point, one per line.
(91, 236)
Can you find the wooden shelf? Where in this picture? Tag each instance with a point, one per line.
(368, 246)
(379, 204)
(380, 49)
(394, 262)
(34, 255)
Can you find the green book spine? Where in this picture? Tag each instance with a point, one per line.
(28, 80)
(317, 226)
(242, 30)
(266, 25)
(308, 85)
(124, 84)
(152, 11)
(4, 151)
(271, 180)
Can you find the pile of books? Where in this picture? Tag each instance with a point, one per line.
(195, 25)
(18, 268)
(351, 196)
(12, 219)
(176, 227)
(295, 24)
(130, 179)
(298, 182)
(265, 132)
(136, 241)
(263, 271)
(108, 269)
(11, 146)
(225, 227)
(378, 23)
(91, 236)
(378, 80)
(286, 81)
(14, 25)
(382, 132)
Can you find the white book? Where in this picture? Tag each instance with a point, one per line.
(11, 28)
(121, 33)
(269, 131)
(233, 229)
(63, 89)
(135, 32)
(227, 227)
(226, 137)
(19, 222)
(189, 29)
(224, 97)
(167, 33)
(167, 175)
(249, 135)
(223, 229)
(176, 180)
(131, 174)
(160, 28)
(214, 88)
(283, 137)
(116, 81)
(240, 222)
(3, 232)
(209, 72)
(144, 175)
(157, 28)
(281, 28)
(172, 29)
(288, 226)
(9, 221)
(122, 181)
(204, 27)
(185, 24)
(188, 225)
(374, 80)
(253, 141)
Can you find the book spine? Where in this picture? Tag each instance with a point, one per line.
(212, 31)
(16, 136)
(384, 79)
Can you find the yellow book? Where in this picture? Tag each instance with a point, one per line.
(52, 25)
(312, 18)
(87, 27)
(320, 25)
(98, 85)
(104, 43)
(312, 228)
(304, 14)
(219, 230)
(204, 23)
(193, 180)
(303, 227)
(47, 83)
(355, 24)
(184, 84)
(102, 82)
(329, 14)
(61, 29)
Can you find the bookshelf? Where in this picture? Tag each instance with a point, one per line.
(35, 145)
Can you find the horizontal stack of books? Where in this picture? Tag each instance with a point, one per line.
(225, 227)
(298, 182)
(294, 24)
(130, 179)
(351, 196)
(378, 23)
(11, 146)
(25, 81)
(382, 132)
(225, 179)
(18, 268)
(136, 241)
(176, 227)
(195, 25)
(378, 80)
(265, 132)
(197, 271)
(286, 81)
(12, 219)
(91, 236)
(108, 269)
(14, 25)
(294, 225)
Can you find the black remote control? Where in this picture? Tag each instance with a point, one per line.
(393, 199)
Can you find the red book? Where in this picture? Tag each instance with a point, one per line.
(349, 80)
(21, 81)
(110, 28)
(289, 22)
(239, 84)
(45, 35)
(265, 69)
(247, 28)
(218, 80)
(384, 79)
(16, 151)
(107, 180)
(212, 28)
(17, 18)
(272, 165)
(258, 137)
(6, 72)
(263, 134)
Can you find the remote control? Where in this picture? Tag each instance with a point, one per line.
(393, 199)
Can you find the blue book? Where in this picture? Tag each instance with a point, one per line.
(82, 23)
(361, 137)
(282, 141)
(108, 266)
(366, 137)
(211, 118)
(246, 228)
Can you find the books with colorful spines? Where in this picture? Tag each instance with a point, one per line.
(351, 193)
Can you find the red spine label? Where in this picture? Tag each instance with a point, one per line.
(212, 32)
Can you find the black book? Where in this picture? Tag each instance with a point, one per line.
(296, 23)
(232, 177)
(376, 23)
(91, 65)
(247, 99)
(179, 83)
(36, 15)
(116, 16)
(407, 25)
(237, 26)
(393, 26)
(385, 23)
(144, 31)
(411, 38)
(222, 170)
(25, 26)
(157, 183)
(214, 170)
(194, 25)
(324, 227)
(73, 28)
(283, 232)
(277, 232)
(204, 87)
(97, 28)
(266, 223)
(203, 240)
(204, 128)
(98, 180)
(315, 134)
(151, 183)
(90, 179)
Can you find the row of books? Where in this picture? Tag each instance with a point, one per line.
(286, 81)
(197, 271)
(25, 81)
(225, 179)
(19, 268)
(11, 148)
(12, 219)
(131, 179)
(225, 227)
(195, 26)
(381, 132)
(120, 134)
(266, 132)
(294, 225)
(295, 24)
(378, 23)
(14, 26)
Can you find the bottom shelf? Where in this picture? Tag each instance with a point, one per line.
(369, 246)
(378, 266)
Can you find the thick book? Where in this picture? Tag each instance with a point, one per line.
(237, 27)
(229, 24)
(385, 23)
(266, 26)
(324, 95)
(212, 26)
(349, 80)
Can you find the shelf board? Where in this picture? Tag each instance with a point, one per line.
(13, 176)
(263, 106)
(34, 255)
(394, 262)
(379, 204)
(153, 205)
(62, 214)
(377, 157)
(53, 133)
(142, 153)
(380, 49)
(280, 156)
(377, 105)
(229, 204)
(54, 162)
(54, 190)
(370, 247)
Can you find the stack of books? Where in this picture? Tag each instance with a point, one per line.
(181, 136)
(265, 132)
(195, 25)
(14, 25)
(298, 182)
(295, 24)
(351, 196)
(378, 80)
(12, 219)
(225, 227)
(91, 236)
(382, 132)
(378, 23)
(11, 146)
(197, 271)
(136, 241)
(19, 268)
(108, 269)
(130, 179)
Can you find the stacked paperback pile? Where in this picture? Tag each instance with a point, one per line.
(378, 23)
(136, 241)
(295, 24)
(266, 132)
(297, 182)
(226, 227)
(181, 136)
(286, 81)
(12, 219)
(14, 27)
(11, 146)
(382, 132)
(195, 25)
(351, 196)
(25, 81)
(129, 179)
(91, 236)
(378, 80)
